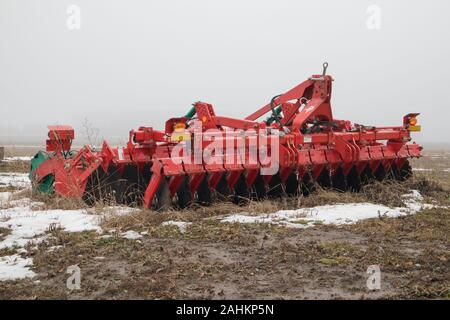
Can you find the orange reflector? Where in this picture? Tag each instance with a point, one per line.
(180, 126)
(412, 121)
(204, 119)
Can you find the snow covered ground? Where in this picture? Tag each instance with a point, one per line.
(27, 225)
(26, 221)
(333, 214)
(12, 159)
(15, 180)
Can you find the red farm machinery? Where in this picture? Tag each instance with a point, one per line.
(285, 148)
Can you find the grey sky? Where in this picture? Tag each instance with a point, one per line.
(141, 62)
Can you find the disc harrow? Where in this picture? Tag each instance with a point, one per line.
(285, 148)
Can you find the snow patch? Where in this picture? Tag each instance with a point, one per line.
(180, 224)
(15, 267)
(12, 159)
(4, 197)
(130, 234)
(15, 180)
(26, 224)
(333, 214)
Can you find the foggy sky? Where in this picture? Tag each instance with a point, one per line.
(136, 63)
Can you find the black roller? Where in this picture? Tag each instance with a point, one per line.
(307, 184)
(406, 171)
(223, 190)
(162, 200)
(184, 195)
(276, 188)
(292, 184)
(241, 192)
(403, 173)
(259, 190)
(380, 173)
(367, 175)
(324, 179)
(339, 180)
(100, 186)
(353, 180)
(204, 196)
(130, 188)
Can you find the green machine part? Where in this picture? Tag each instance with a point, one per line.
(46, 184)
(191, 113)
(271, 119)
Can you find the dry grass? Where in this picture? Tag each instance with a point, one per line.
(251, 261)
(15, 166)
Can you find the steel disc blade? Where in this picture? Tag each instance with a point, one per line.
(324, 179)
(223, 190)
(292, 184)
(276, 188)
(184, 195)
(162, 200)
(307, 184)
(241, 192)
(353, 180)
(259, 190)
(381, 173)
(204, 195)
(339, 180)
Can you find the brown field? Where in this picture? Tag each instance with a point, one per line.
(214, 260)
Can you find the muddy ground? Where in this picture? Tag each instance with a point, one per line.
(214, 260)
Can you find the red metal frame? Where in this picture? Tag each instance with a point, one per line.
(338, 144)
